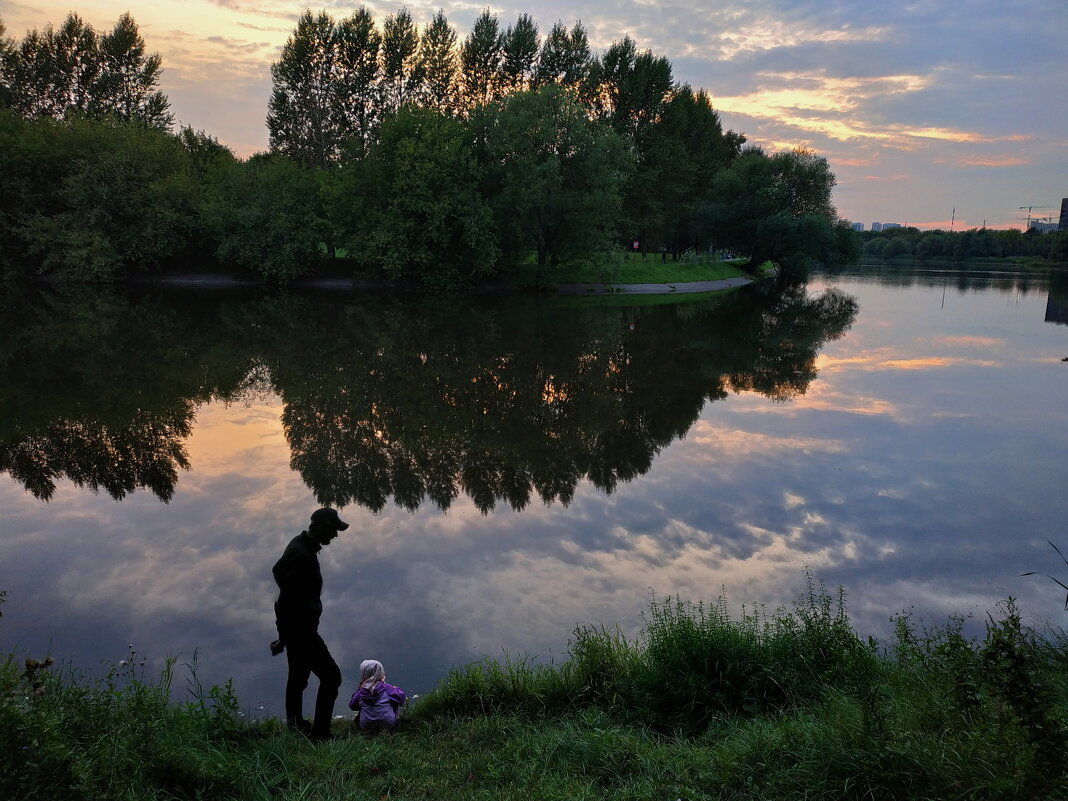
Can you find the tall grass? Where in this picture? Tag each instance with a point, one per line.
(700, 705)
(690, 664)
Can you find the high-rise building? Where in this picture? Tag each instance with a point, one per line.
(876, 226)
(1040, 227)
(1064, 215)
(888, 226)
(858, 226)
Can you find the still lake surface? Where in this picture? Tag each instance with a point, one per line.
(512, 467)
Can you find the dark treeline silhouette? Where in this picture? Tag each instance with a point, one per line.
(417, 154)
(974, 243)
(389, 398)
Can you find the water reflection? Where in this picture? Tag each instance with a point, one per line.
(386, 399)
(1057, 302)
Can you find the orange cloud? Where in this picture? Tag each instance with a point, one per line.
(972, 341)
(1003, 161)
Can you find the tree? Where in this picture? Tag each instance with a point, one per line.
(76, 72)
(266, 216)
(564, 58)
(412, 205)
(118, 199)
(555, 176)
(401, 71)
(7, 54)
(437, 65)
(128, 78)
(520, 54)
(355, 85)
(481, 59)
(302, 120)
(678, 156)
(632, 88)
(53, 73)
(776, 208)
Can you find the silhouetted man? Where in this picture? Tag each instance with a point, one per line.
(297, 612)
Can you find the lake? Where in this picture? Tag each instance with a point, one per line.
(512, 467)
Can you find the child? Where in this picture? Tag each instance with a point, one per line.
(376, 703)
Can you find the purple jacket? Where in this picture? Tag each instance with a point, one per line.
(377, 707)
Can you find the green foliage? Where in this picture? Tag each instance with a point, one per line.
(779, 208)
(76, 71)
(438, 65)
(94, 200)
(564, 58)
(65, 736)
(412, 205)
(554, 178)
(481, 59)
(691, 664)
(266, 216)
(402, 74)
(975, 243)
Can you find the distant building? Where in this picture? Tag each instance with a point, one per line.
(858, 226)
(1040, 227)
(888, 226)
(876, 226)
(1064, 215)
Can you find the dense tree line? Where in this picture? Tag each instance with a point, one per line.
(975, 243)
(424, 156)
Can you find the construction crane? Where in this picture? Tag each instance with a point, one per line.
(1036, 208)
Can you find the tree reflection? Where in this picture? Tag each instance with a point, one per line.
(386, 399)
(101, 389)
(507, 402)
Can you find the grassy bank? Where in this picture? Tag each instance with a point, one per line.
(701, 705)
(618, 268)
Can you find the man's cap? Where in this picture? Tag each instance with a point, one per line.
(327, 516)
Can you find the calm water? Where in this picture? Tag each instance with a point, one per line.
(514, 467)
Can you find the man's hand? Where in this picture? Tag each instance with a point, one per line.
(277, 646)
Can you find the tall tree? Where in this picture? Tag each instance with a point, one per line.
(776, 207)
(128, 78)
(632, 88)
(684, 148)
(53, 73)
(437, 64)
(355, 86)
(555, 176)
(73, 71)
(481, 58)
(401, 70)
(521, 44)
(301, 120)
(414, 206)
(564, 58)
(7, 54)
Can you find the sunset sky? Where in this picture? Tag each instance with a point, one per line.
(921, 108)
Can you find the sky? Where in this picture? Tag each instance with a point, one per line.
(944, 113)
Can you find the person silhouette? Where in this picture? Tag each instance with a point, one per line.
(297, 612)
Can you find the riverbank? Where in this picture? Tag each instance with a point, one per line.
(636, 277)
(701, 706)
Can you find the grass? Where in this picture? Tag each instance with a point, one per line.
(702, 704)
(616, 268)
